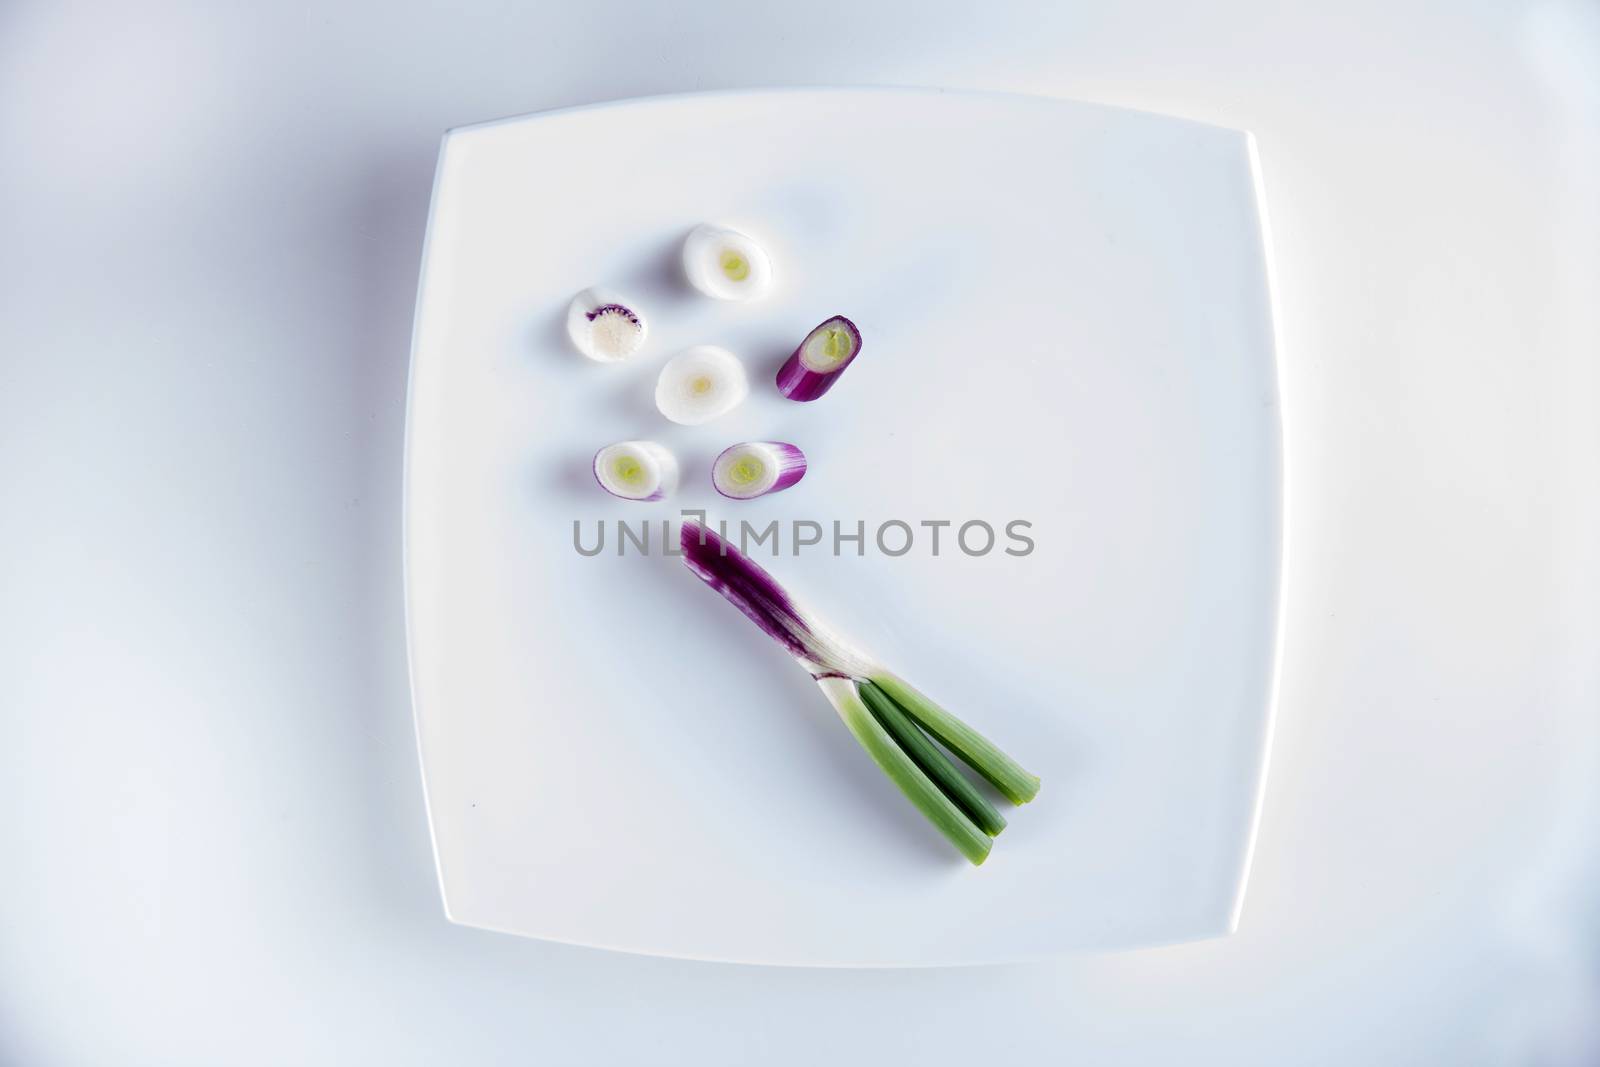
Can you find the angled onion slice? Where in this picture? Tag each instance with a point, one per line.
(820, 359)
(636, 470)
(604, 327)
(701, 383)
(755, 468)
(726, 264)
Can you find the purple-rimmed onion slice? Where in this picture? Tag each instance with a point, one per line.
(756, 468)
(700, 384)
(636, 470)
(605, 327)
(725, 264)
(820, 359)
(894, 723)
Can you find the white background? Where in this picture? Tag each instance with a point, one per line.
(213, 840)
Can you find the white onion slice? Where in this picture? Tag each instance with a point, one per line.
(701, 383)
(726, 264)
(604, 326)
(636, 470)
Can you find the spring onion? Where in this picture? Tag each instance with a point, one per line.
(701, 383)
(636, 470)
(820, 359)
(726, 264)
(893, 722)
(755, 468)
(604, 327)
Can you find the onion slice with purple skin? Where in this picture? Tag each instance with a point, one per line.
(895, 724)
(756, 468)
(820, 359)
(636, 470)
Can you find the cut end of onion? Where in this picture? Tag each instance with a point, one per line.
(701, 383)
(605, 327)
(820, 359)
(726, 264)
(755, 468)
(636, 470)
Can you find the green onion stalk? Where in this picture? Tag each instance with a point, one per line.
(913, 740)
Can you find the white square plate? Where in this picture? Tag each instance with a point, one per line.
(1066, 321)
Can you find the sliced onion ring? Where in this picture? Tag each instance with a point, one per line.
(819, 361)
(726, 264)
(701, 383)
(636, 470)
(756, 468)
